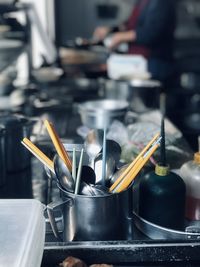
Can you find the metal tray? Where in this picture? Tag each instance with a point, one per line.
(125, 253)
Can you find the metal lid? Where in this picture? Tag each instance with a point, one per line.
(161, 170)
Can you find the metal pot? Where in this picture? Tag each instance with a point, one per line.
(98, 113)
(141, 94)
(17, 127)
(155, 231)
(144, 94)
(55, 110)
(21, 97)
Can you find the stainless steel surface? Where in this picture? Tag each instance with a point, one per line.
(114, 149)
(97, 114)
(109, 168)
(93, 144)
(63, 174)
(140, 94)
(117, 174)
(154, 231)
(81, 221)
(88, 175)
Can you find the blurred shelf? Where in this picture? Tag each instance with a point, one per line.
(9, 51)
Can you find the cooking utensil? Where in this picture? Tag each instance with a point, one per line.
(86, 189)
(103, 173)
(130, 173)
(98, 113)
(117, 174)
(78, 178)
(109, 167)
(113, 148)
(38, 154)
(58, 145)
(93, 144)
(88, 175)
(51, 177)
(63, 174)
(74, 164)
(100, 190)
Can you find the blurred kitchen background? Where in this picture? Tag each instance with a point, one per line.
(31, 33)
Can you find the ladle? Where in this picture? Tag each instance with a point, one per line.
(117, 174)
(88, 175)
(51, 177)
(63, 174)
(93, 144)
(100, 190)
(112, 147)
(93, 190)
(109, 170)
(86, 189)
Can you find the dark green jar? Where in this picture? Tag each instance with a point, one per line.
(162, 198)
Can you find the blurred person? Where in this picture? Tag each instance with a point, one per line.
(149, 31)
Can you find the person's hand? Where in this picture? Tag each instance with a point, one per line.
(101, 32)
(121, 37)
(115, 40)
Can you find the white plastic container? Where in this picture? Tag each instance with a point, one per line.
(190, 172)
(127, 66)
(22, 233)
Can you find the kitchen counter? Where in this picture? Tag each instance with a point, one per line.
(138, 251)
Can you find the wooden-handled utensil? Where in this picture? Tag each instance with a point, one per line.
(38, 154)
(58, 144)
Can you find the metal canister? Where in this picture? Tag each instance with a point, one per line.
(190, 172)
(17, 127)
(162, 198)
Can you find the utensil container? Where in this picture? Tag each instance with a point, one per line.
(93, 218)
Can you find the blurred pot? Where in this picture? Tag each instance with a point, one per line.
(141, 94)
(98, 113)
(17, 127)
(21, 97)
(55, 110)
(6, 85)
(47, 74)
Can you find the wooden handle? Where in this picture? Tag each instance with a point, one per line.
(133, 173)
(116, 183)
(58, 144)
(38, 153)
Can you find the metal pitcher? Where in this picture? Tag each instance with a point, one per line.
(93, 218)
